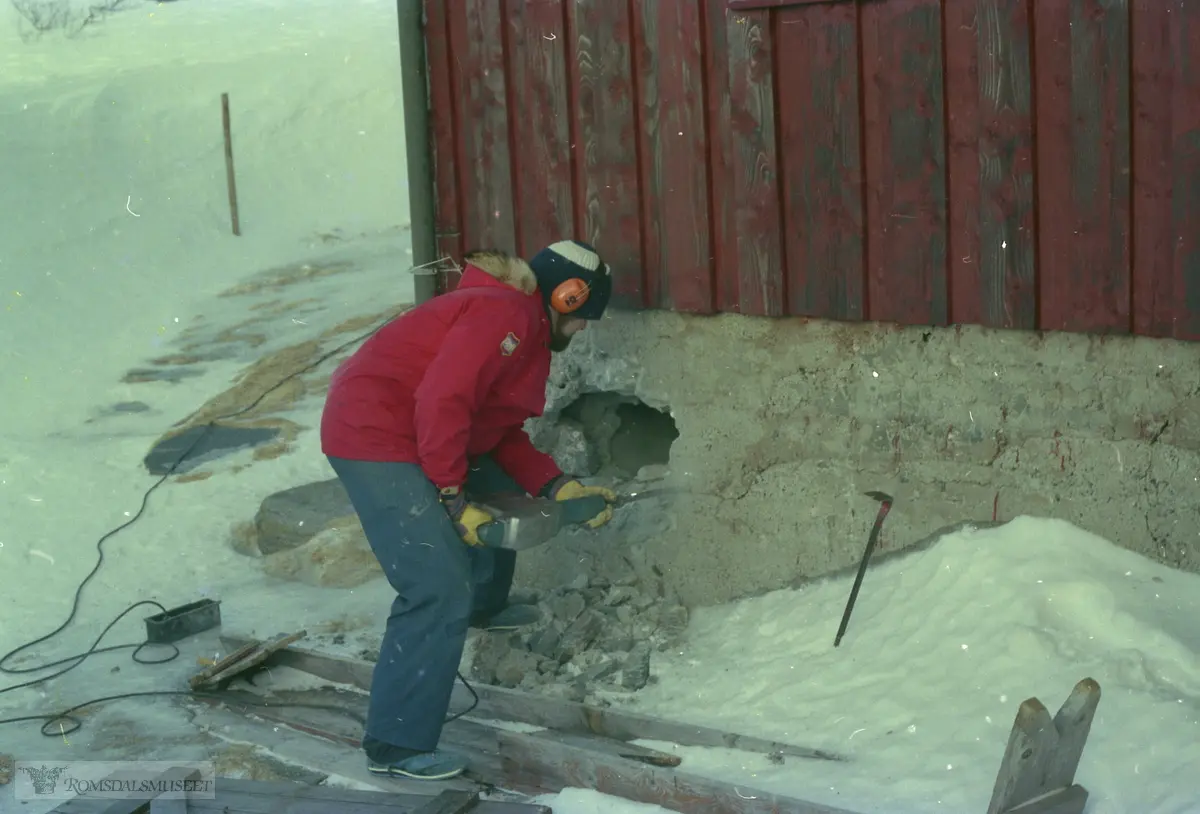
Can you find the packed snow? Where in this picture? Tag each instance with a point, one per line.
(115, 239)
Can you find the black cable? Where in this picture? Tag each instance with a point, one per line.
(65, 716)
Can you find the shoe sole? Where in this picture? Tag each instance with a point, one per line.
(392, 771)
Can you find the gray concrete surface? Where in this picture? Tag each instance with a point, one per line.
(785, 423)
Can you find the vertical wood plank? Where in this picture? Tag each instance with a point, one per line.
(668, 37)
(605, 145)
(989, 98)
(1083, 160)
(821, 175)
(443, 139)
(758, 288)
(539, 116)
(1166, 176)
(483, 156)
(722, 204)
(905, 161)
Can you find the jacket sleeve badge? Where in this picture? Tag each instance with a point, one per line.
(509, 344)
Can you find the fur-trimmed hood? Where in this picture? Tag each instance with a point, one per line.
(504, 268)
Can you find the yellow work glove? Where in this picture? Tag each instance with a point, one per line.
(570, 489)
(466, 517)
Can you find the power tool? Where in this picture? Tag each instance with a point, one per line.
(524, 522)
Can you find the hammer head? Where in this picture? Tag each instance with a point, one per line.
(880, 496)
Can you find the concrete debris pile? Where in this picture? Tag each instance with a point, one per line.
(595, 636)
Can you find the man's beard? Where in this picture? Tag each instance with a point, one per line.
(559, 342)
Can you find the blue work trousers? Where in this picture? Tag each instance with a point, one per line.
(441, 583)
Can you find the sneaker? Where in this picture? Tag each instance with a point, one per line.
(510, 618)
(435, 765)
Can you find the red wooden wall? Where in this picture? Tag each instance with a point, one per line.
(1010, 163)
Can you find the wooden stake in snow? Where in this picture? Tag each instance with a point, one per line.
(1037, 775)
(233, 205)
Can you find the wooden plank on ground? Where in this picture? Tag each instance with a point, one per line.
(311, 712)
(338, 717)
(1083, 161)
(904, 142)
(443, 139)
(1038, 770)
(451, 802)
(140, 804)
(236, 796)
(484, 157)
(530, 760)
(245, 658)
(546, 762)
(606, 147)
(750, 277)
(535, 47)
(552, 713)
(989, 91)
(817, 57)
(1166, 170)
(669, 55)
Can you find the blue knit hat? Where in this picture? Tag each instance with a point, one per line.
(568, 259)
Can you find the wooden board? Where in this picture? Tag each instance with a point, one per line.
(1166, 169)
(1037, 774)
(552, 713)
(821, 173)
(904, 142)
(1083, 164)
(741, 97)
(673, 140)
(133, 805)
(605, 112)
(535, 45)
(529, 759)
(246, 657)
(259, 797)
(546, 762)
(484, 158)
(989, 88)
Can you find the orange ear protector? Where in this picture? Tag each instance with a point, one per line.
(569, 295)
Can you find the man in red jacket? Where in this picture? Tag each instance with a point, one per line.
(427, 414)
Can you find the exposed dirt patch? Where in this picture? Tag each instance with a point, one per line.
(265, 382)
(359, 324)
(280, 278)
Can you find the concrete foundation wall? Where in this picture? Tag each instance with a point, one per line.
(785, 423)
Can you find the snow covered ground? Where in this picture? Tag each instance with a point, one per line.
(115, 239)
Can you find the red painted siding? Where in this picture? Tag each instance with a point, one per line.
(1009, 163)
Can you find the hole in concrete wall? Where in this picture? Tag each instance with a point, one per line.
(611, 434)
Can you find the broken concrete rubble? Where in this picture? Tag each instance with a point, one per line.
(596, 637)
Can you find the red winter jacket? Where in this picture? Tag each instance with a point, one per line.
(452, 379)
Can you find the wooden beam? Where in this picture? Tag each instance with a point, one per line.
(237, 796)
(1037, 773)
(247, 657)
(450, 802)
(552, 713)
(141, 804)
(530, 760)
(536, 763)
